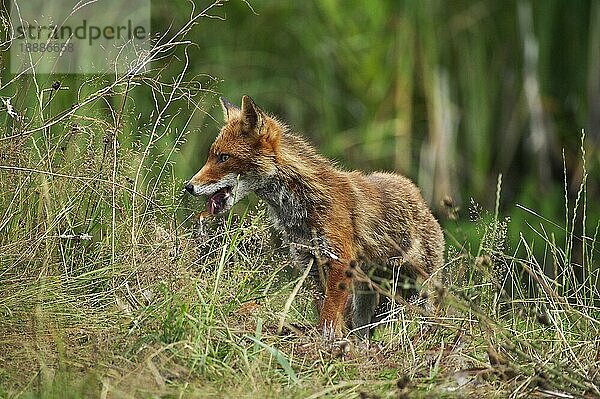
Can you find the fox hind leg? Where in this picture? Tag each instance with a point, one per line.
(365, 302)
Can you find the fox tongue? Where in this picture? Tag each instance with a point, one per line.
(216, 202)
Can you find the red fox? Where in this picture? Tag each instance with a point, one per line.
(380, 219)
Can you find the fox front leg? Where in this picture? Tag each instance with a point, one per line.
(336, 296)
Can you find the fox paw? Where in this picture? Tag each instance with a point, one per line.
(330, 331)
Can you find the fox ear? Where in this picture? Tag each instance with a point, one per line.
(229, 110)
(252, 116)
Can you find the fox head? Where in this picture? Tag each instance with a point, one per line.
(241, 159)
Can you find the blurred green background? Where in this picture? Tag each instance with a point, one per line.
(436, 90)
(450, 93)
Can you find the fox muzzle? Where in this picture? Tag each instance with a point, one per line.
(189, 187)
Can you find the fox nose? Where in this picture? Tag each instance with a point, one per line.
(189, 188)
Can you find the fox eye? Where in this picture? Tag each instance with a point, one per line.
(222, 158)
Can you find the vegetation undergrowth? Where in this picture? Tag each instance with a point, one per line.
(111, 286)
(192, 308)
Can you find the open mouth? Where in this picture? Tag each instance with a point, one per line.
(217, 202)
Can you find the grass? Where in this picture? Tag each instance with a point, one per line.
(169, 305)
(110, 286)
